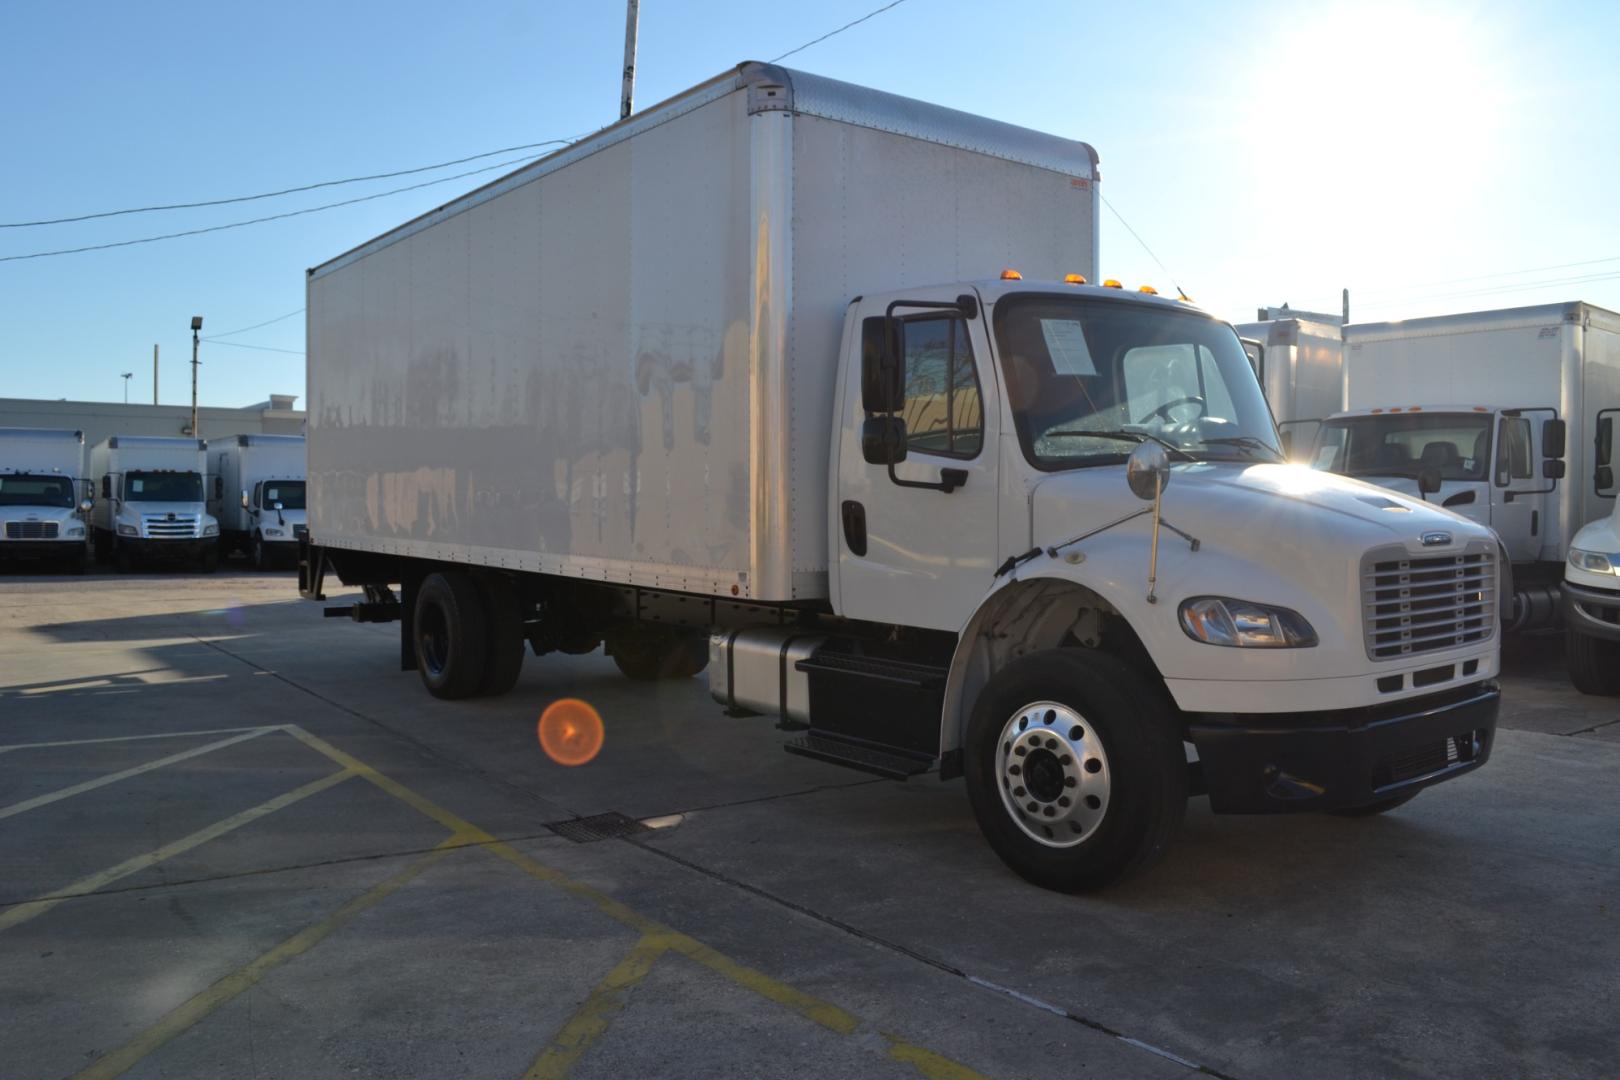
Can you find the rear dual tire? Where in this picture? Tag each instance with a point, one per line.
(467, 635)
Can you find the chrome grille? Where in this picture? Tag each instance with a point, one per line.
(1423, 603)
(169, 526)
(30, 530)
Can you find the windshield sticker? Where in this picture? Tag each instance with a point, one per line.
(1066, 344)
(137, 486)
(1324, 457)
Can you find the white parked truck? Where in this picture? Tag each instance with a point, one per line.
(1492, 415)
(735, 383)
(1300, 363)
(43, 497)
(151, 507)
(258, 495)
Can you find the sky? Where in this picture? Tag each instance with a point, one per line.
(1429, 157)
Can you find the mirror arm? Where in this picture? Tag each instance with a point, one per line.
(949, 480)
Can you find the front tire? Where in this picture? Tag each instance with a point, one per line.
(1594, 664)
(260, 560)
(210, 559)
(451, 635)
(1075, 769)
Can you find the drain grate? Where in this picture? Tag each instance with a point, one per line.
(588, 830)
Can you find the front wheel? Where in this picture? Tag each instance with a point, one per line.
(1075, 769)
(1594, 664)
(260, 562)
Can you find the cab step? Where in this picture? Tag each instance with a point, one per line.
(889, 762)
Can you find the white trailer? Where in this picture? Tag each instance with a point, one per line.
(1300, 363)
(258, 495)
(735, 383)
(1492, 415)
(43, 497)
(151, 506)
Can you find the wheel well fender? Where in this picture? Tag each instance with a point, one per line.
(1027, 616)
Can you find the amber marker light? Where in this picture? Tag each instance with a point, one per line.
(571, 732)
(1074, 279)
(1011, 275)
(1112, 283)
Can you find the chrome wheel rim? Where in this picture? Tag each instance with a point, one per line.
(1053, 774)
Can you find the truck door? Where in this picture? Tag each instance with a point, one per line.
(913, 552)
(1516, 495)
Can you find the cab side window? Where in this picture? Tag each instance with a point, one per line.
(943, 411)
(1512, 450)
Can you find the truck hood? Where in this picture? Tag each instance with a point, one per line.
(1250, 507)
(162, 509)
(59, 514)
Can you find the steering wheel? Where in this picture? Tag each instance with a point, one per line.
(1163, 411)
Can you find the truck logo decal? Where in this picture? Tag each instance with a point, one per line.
(1434, 539)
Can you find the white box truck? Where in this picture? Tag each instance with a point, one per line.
(43, 497)
(1591, 596)
(736, 382)
(1300, 364)
(150, 507)
(258, 496)
(1491, 415)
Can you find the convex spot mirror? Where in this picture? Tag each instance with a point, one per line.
(1552, 469)
(244, 500)
(277, 506)
(883, 440)
(85, 506)
(1147, 470)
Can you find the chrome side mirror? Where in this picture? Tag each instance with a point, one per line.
(85, 506)
(244, 500)
(277, 508)
(1147, 470)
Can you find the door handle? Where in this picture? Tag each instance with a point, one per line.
(854, 518)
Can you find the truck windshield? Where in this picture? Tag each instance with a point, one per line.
(1089, 377)
(289, 493)
(163, 487)
(23, 490)
(1402, 444)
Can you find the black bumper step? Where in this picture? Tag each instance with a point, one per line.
(880, 669)
(888, 762)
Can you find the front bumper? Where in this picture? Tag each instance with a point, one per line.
(178, 550)
(41, 549)
(1591, 612)
(1269, 763)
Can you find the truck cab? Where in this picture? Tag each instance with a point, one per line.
(1591, 606)
(151, 506)
(258, 495)
(43, 500)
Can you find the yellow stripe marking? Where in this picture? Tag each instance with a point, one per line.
(592, 1018)
(85, 886)
(136, 738)
(91, 785)
(180, 1019)
(929, 1063)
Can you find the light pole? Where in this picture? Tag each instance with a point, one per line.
(196, 328)
(126, 376)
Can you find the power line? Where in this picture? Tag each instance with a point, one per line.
(1145, 248)
(255, 326)
(835, 33)
(271, 217)
(1527, 286)
(283, 191)
(259, 348)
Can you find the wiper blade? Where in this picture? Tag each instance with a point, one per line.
(1132, 436)
(1245, 442)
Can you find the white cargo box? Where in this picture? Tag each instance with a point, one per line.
(617, 363)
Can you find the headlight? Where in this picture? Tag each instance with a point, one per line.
(127, 530)
(1216, 620)
(75, 530)
(1594, 561)
(210, 530)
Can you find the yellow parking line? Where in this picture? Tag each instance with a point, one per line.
(135, 738)
(592, 1018)
(85, 886)
(928, 1063)
(91, 785)
(180, 1019)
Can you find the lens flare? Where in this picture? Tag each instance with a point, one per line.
(571, 732)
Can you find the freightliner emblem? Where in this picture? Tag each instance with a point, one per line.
(1435, 539)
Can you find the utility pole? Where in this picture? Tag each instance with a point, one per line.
(154, 373)
(125, 376)
(1346, 316)
(196, 327)
(632, 16)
